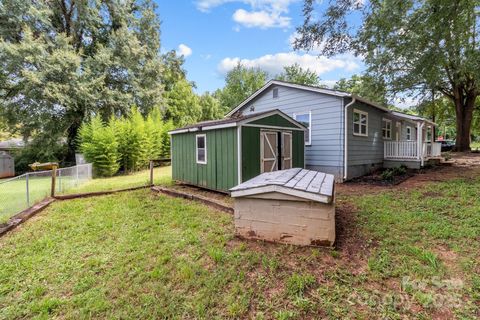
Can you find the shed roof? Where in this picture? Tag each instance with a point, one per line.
(233, 122)
(302, 183)
(14, 143)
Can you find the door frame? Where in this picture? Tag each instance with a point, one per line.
(282, 156)
(279, 156)
(274, 150)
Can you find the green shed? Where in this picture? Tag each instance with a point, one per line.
(221, 154)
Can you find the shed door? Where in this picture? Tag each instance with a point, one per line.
(268, 151)
(286, 150)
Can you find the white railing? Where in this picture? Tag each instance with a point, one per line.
(409, 150)
(432, 149)
(400, 150)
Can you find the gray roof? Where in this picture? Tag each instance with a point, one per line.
(410, 117)
(332, 92)
(14, 143)
(234, 121)
(297, 182)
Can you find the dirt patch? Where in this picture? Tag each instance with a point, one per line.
(464, 166)
(214, 195)
(351, 243)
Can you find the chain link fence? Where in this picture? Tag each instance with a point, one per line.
(20, 193)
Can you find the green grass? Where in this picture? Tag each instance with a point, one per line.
(140, 255)
(161, 176)
(14, 199)
(475, 145)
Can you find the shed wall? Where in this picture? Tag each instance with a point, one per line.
(221, 170)
(7, 166)
(251, 151)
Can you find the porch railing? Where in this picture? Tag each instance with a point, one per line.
(400, 150)
(432, 149)
(409, 149)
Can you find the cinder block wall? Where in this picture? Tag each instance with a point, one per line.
(286, 221)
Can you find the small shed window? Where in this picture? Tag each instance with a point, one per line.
(306, 120)
(201, 148)
(360, 123)
(409, 133)
(275, 93)
(387, 129)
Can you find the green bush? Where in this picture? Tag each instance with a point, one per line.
(391, 173)
(126, 143)
(99, 145)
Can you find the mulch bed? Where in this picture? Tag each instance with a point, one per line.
(376, 179)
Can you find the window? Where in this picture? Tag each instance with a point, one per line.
(201, 149)
(409, 133)
(360, 123)
(275, 93)
(387, 129)
(306, 120)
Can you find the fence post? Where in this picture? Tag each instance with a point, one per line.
(54, 177)
(151, 172)
(28, 190)
(76, 174)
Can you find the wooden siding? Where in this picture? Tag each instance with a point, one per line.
(366, 150)
(277, 121)
(327, 123)
(251, 151)
(220, 172)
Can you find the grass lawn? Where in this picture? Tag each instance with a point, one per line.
(161, 176)
(14, 199)
(411, 254)
(475, 145)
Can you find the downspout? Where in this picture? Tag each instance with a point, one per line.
(345, 138)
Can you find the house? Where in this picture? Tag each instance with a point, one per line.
(348, 136)
(220, 154)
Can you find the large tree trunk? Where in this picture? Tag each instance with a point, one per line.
(464, 106)
(77, 118)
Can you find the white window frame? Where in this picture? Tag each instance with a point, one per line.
(360, 112)
(408, 133)
(196, 148)
(389, 129)
(295, 115)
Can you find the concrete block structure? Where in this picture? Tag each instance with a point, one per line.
(294, 206)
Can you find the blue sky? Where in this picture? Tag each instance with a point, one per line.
(214, 35)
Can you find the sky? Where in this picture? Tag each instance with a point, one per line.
(214, 35)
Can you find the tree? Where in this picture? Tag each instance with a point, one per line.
(182, 102)
(64, 61)
(413, 46)
(296, 74)
(365, 87)
(240, 83)
(210, 107)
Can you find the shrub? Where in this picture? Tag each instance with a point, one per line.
(391, 173)
(128, 142)
(99, 145)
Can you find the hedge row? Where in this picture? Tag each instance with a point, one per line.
(126, 143)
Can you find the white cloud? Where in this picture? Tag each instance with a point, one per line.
(184, 50)
(263, 14)
(274, 63)
(261, 19)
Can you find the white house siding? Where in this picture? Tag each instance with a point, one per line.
(365, 154)
(326, 150)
